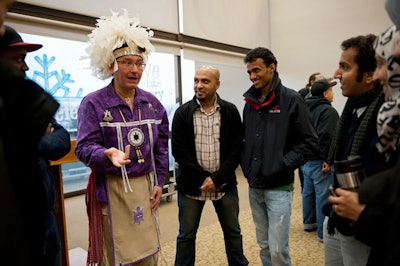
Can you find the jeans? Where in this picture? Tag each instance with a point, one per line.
(344, 250)
(271, 210)
(315, 194)
(227, 209)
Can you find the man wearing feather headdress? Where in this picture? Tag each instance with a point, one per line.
(123, 138)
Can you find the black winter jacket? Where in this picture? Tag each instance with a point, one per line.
(378, 224)
(51, 147)
(189, 174)
(279, 136)
(25, 111)
(324, 118)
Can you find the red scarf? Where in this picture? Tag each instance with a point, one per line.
(267, 101)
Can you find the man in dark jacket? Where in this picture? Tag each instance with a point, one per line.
(25, 111)
(356, 135)
(207, 140)
(53, 145)
(375, 210)
(279, 137)
(316, 179)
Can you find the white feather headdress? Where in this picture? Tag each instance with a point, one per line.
(116, 36)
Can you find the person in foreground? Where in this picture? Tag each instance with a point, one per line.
(123, 137)
(376, 209)
(279, 137)
(207, 140)
(25, 112)
(317, 179)
(54, 144)
(356, 135)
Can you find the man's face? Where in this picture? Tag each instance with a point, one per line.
(206, 84)
(4, 6)
(328, 94)
(16, 57)
(129, 73)
(347, 74)
(260, 74)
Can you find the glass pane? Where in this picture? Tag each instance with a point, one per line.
(75, 177)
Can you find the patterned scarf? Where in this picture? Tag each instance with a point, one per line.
(373, 99)
(388, 120)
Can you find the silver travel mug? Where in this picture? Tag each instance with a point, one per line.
(350, 173)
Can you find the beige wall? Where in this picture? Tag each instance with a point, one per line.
(158, 14)
(306, 35)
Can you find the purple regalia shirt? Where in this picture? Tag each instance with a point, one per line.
(101, 125)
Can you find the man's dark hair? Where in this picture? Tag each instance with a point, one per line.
(365, 59)
(260, 52)
(312, 79)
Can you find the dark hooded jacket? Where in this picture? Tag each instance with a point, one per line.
(324, 118)
(51, 147)
(279, 136)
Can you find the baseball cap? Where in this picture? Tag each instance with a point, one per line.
(320, 86)
(12, 39)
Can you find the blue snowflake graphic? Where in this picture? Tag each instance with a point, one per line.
(53, 81)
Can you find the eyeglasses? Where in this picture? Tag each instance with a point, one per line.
(129, 63)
